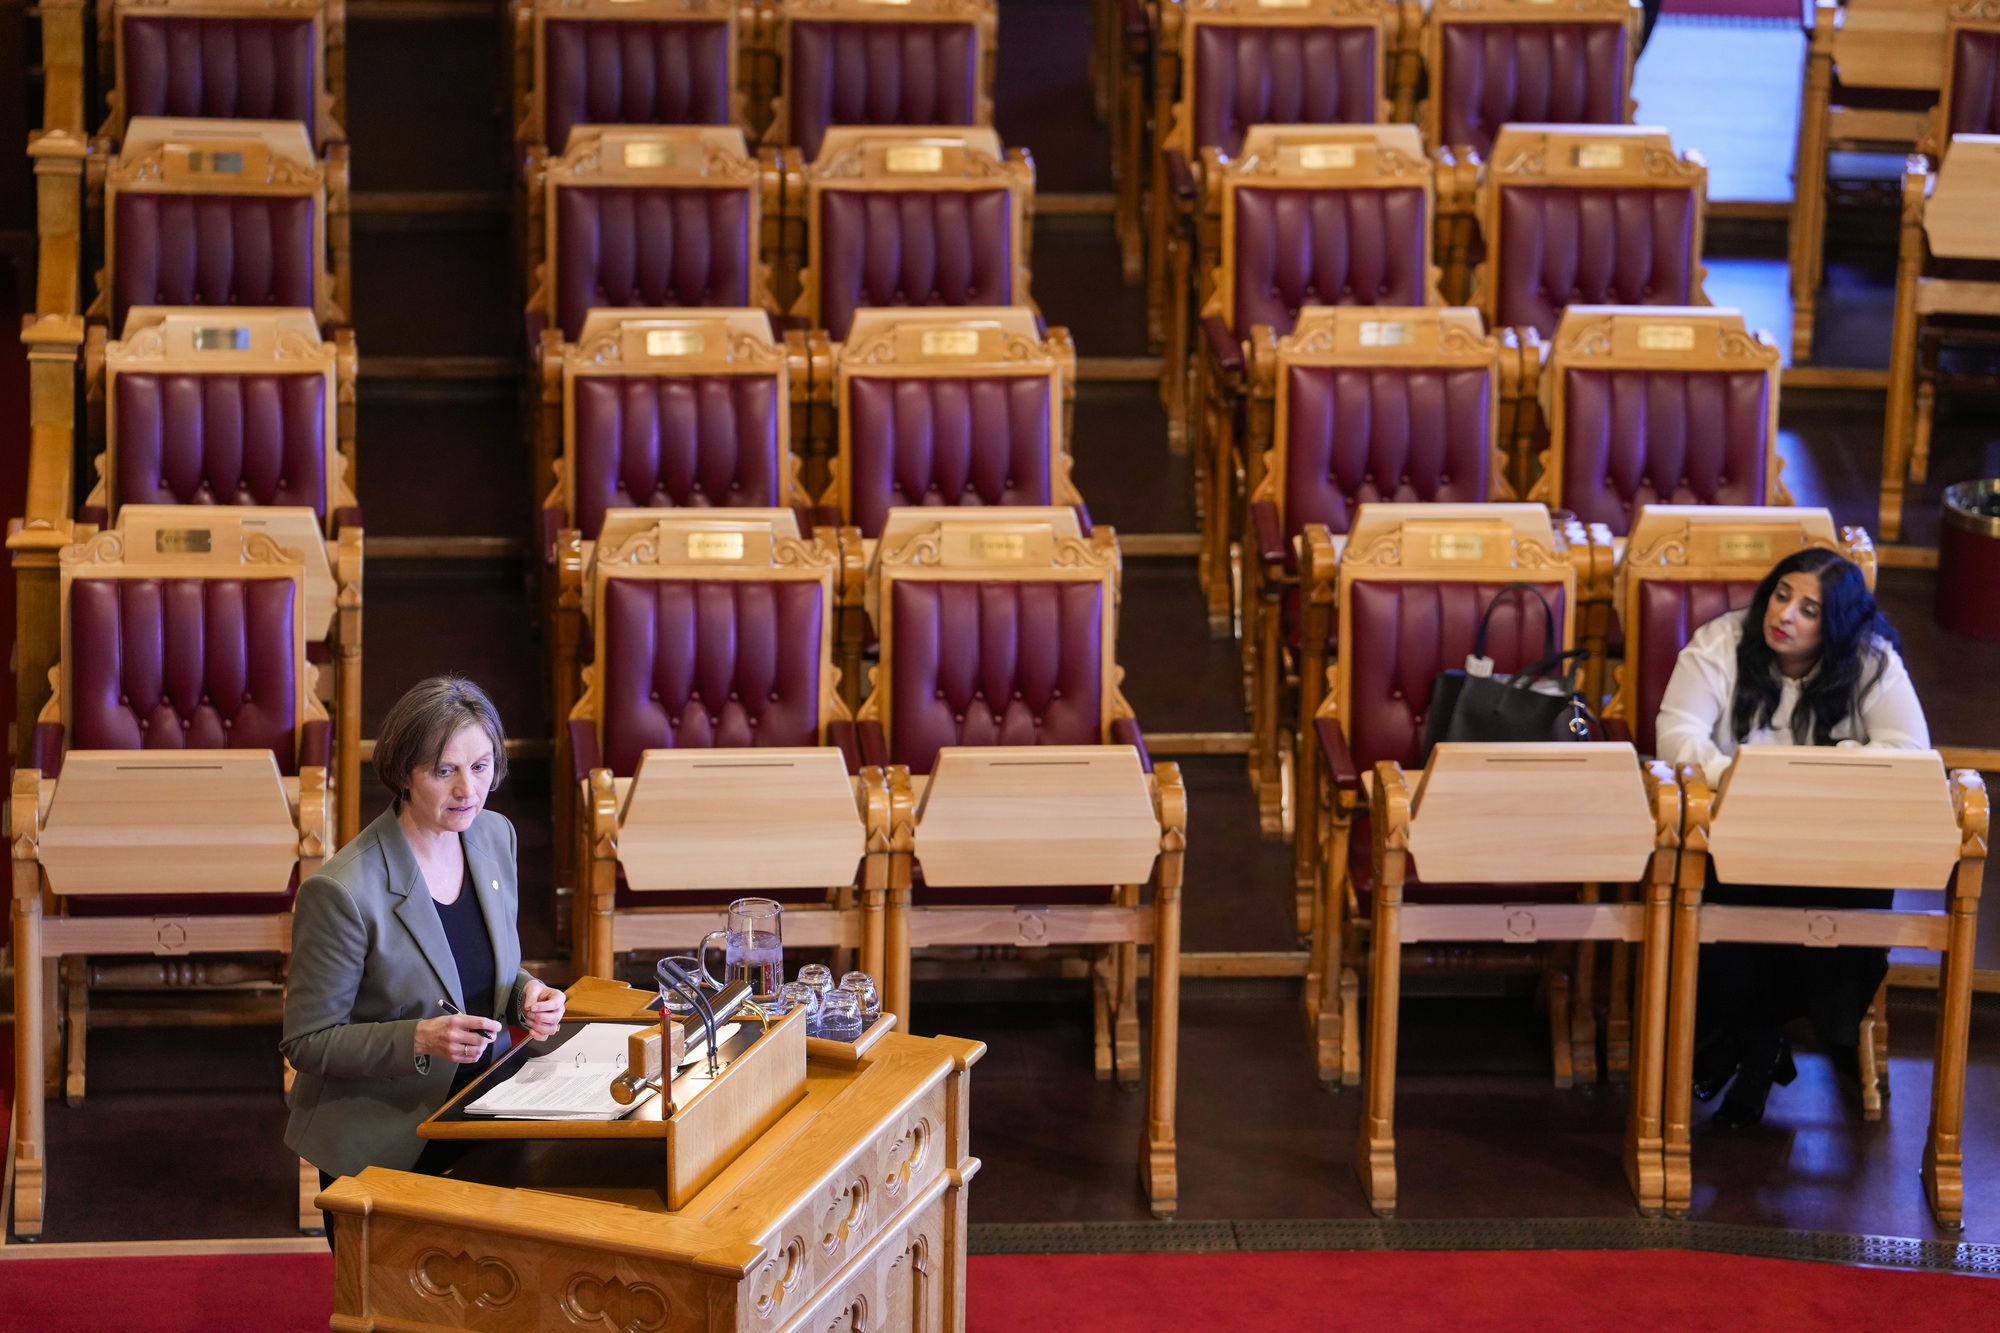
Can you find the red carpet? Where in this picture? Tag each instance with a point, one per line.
(1549, 1291)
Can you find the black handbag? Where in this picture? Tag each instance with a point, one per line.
(1537, 703)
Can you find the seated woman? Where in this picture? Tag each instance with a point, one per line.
(1811, 661)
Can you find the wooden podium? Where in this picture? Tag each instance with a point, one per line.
(1827, 817)
(1531, 813)
(849, 1211)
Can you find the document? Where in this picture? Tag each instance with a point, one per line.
(572, 1082)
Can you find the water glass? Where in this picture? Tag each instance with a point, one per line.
(818, 976)
(796, 995)
(672, 1003)
(840, 1017)
(864, 990)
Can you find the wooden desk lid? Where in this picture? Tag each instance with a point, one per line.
(778, 818)
(1531, 813)
(1834, 818)
(1007, 815)
(169, 822)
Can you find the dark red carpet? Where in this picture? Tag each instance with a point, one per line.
(217, 1293)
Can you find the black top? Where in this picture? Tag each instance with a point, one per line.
(472, 949)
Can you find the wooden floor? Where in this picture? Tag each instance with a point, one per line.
(1484, 1133)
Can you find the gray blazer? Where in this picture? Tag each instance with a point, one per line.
(369, 960)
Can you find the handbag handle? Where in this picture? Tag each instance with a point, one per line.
(1549, 657)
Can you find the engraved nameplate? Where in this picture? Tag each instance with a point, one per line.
(1666, 337)
(715, 546)
(951, 342)
(914, 157)
(1598, 156)
(1387, 333)
(221, 162)
(649, 153)
(222, 340)
(1000, 546)
(1749, 547)
(181, 541)
(1457, 546)
(1326, 156)
(675, 342)
(1283, 4)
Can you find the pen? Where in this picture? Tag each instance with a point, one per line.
(449, 1007)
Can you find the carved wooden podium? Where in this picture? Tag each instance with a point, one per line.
(1839, 819)
(848, 1212)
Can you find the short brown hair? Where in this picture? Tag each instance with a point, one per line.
(423, 722)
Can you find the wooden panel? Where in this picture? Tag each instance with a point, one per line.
(1822, 928)
(169, 821)
(1042, 814)
(1030, 926)
(724, 1117)
(805, 928)
(1874, 125)
(779, 818)
(1531, 814)
(166, 936)
(1833, 818)
(1891, 44)
(1958, 217)
(1521, 923)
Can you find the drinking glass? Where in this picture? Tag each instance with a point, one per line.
(864, 990)
(753, 947)
(671, 1001)
(818, 976)
(796, 995)
(840, 1017)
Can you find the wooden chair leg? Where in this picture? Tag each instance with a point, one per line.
(1159, 1168)
(1375, 1146)
(1618, 1015)
(897, 955)
(52, 1028)
(1677, 1090)
(311, 1220)
(30, 1139)
(1103, 980)
(76, 998)
(1920, 430)
(1125, 1015)
(1583, 1003)
(1873, 1056)
(1556, 976)
(1944, 1154)
(1644, 1168)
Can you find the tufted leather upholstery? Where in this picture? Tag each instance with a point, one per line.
(675, 442)
(1257, 75)
(962, 650)
(633, 73)
(1640, 437)
(912, 248)
(1405, 633)
(1325, 247)
(213, 249)
(1537, 73)
(881, 74)
(1670, 611)
(174, 664)
(222, 439)
(220, 69)
(1975, 84)
(701, 664)
(946, 442)
(1390, 433)
(650, 247)
(1561, 246)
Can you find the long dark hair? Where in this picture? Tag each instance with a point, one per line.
(1849, 661)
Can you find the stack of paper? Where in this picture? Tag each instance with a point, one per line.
(572, 1082)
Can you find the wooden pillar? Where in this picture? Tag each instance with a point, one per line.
(1158, 1165)
(902, 852)
(1944, 1152)
(347, 702)
(30, 1139)
(1677, 1098)
(1643, 1142)
(594, 900)
(1898, 426)
(1375, 1146)
(36, 540)
(1808, 220)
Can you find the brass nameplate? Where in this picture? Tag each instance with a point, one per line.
(1326, 156)
(1598, 156)
(1283, 4)
(885, 2)
(649, 153)
(222, 340)
(1457, 546)
(215, 162)
(1666, 337)
(951, 342)
(715, 546)
(914, 157)
(1000, 545)
(675, 342)
(181, 541)
(1387, 333)
(1749, 547)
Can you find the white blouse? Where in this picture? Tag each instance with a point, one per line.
(1695, 727)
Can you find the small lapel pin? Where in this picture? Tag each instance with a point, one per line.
(496, 886)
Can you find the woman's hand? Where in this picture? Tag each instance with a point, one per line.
(542, 1008)
(460, 1038)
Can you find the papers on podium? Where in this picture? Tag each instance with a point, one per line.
(572, 1082)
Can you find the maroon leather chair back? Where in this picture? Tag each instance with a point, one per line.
(881, 74)
(1531, 73)
(1298, 248)
(1975, 84)
(183, 664)
(1640, 437)
(675, 442)
(994, 664)
(922, 441)
(1670, 611)
(632, 73)
(221, 69)
(1356, 435)
(912, 248)
(1253, 75)
(222, 439)
(650, 247)
(1562, 246)
(708, 664)
(1403, 634)
(213, 250)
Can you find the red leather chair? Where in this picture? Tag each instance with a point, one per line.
(1493, 63)
(200, 649)
(224, 60)
(224, 213)
(1370, 406)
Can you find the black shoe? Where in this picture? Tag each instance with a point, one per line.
(1744, 1106)
(1715, 1065)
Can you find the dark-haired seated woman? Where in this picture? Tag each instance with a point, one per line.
(1810, 661)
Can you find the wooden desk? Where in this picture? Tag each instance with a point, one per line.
(849, 1211)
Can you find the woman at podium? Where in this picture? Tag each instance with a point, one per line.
(1811, 661)
(406, 961)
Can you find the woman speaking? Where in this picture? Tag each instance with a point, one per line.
(406, 964)
(1810, 661)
